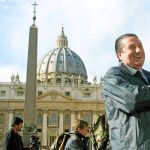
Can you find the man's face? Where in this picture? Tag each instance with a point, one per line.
(18, 127)
(132, 53)
(83, 131)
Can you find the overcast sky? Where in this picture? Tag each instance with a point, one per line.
(90, 25)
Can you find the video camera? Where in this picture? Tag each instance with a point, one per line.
(34, 142)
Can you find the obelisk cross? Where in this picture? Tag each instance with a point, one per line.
(34, 17)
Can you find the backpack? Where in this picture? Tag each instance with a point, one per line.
(99, 134)
(61, 141)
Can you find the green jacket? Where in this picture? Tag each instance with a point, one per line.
(127, 100)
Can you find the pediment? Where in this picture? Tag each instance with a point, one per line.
(54, 96)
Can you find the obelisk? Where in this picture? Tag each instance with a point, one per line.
(30, 95)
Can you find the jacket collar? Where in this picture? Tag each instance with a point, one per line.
(132, 71)
(147, 75)
(127, 69)
(79, 135)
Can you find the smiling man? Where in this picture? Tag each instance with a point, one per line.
(127, 96)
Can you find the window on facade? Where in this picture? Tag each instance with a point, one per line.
(67, 119)
(67, 93)
(40, 93)
(1, 119)
(2, 93)
(67, 80)
(53, 119)
(20, 88)
(87, 117)
(39, 119)
(86, 94)
(53, 130)
(58, 80)
(20, 93)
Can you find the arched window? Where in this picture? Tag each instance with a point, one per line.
(87, 117)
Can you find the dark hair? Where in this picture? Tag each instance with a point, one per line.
(16, 121)
(118, 41)
(79, 124)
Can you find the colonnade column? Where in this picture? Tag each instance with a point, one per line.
(94, 116)
(61, 122)
(10, 117)
(72, 118)
(79, 115)
(44, 131)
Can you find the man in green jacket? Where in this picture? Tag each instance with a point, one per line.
(127, 96)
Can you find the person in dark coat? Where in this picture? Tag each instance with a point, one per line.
(12, 139)
(127, 96)
(78, 140)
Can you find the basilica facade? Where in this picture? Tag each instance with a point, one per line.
(63, 94)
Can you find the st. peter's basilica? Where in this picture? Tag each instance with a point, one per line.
(63, 94)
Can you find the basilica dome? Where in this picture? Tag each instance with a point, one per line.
(61, 61)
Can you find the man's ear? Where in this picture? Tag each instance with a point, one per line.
(119, 56)
(78, 129)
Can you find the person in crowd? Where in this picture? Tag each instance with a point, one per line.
(78, 140)
(12, 139)
(127, 96)
(60, 142)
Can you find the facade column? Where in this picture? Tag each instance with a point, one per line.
(10, 118)
(79, 115)
(61, 122)
(94, 116)
(72, 118)
(44, 131)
